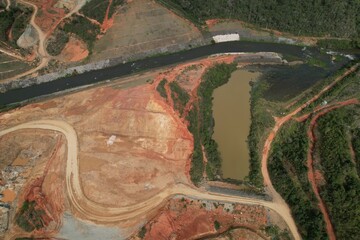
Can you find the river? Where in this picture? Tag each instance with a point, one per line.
(231, 111)
(119, 70)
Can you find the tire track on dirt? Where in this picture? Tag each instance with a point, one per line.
(98, 213)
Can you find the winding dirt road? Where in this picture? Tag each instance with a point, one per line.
(278, 124)
(42, 52)
(98, 213)
(311, 173)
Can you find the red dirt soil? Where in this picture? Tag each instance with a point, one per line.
(47, 192)
(48, 16)
(193, 219)
(312, 176)
(75, 50)
(107, 23)
(190, 84)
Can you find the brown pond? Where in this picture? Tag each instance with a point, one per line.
(231, 111)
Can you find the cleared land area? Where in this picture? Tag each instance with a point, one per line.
(143, 26)
(10, 66)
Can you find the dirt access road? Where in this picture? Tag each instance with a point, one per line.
(311, 172)
(98, 213)
(42, 53)
(277, 199)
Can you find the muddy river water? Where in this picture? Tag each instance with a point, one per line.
(231, 111)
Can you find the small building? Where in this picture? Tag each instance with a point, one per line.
(226, 38)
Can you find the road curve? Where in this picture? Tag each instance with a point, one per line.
(99, 213)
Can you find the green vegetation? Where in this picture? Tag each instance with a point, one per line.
(288, 172)
(347, 88)
(213, 78)
(341, 193)
(316, 62)
(57, 43)
(216, 225)
(142, 232)
(356, 146)
(331, 94)
(28, 218)
(14, 20)
(335, 44)
(197, 160)
(161, 88)
(96, 9)
(83, 28)
(314, 18)
(201, 124)
(261, 120)
(276, 234)
(179, 96)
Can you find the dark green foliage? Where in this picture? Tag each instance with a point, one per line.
(161, 88)
(333, 92)
(28, 218)
(213, 78)
(96, 9)
(260, 121)
(114, 5)
(287, 167)
(276, 234)
(341, 193)
(57, 43)
(197, 162)
(216, 225)
(356, 147)
(201, 123)
(142, 232)
(179, 96)
(315, 18)
(84, 29)
(338, 44)
(15, 19)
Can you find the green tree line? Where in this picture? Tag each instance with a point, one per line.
(300, 17)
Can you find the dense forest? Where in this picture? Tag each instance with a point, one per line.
(288, 172)
(341, 193)
(13, 24)
(300, 17)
